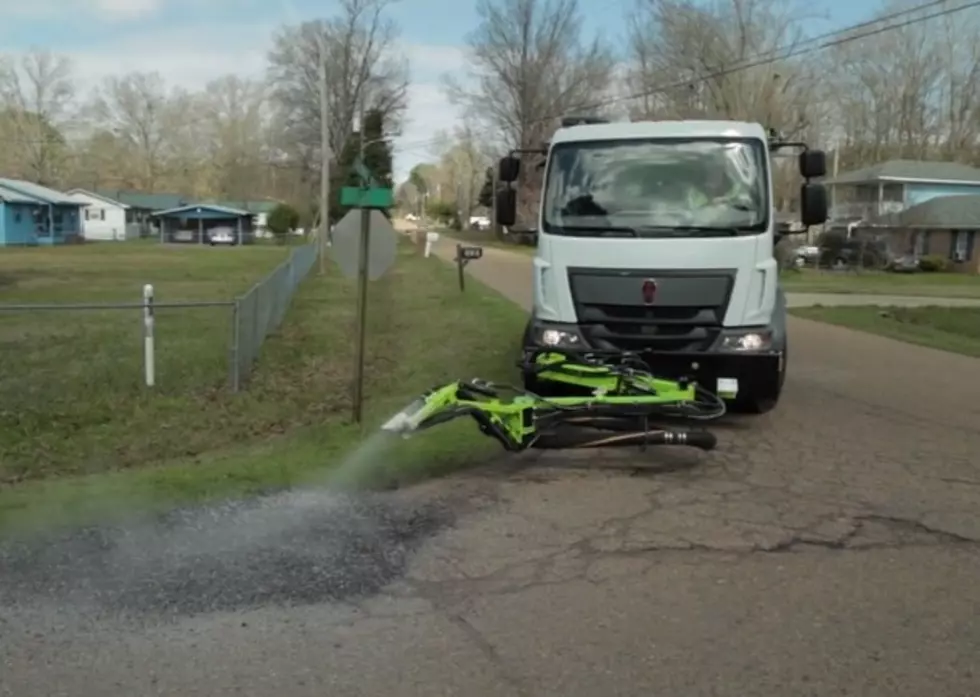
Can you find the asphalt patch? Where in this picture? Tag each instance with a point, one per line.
(283, 549)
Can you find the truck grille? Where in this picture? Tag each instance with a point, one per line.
(685, 317)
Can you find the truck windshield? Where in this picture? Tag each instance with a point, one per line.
(657, 188)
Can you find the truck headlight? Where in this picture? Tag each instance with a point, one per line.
(747, 341)
(557, 336)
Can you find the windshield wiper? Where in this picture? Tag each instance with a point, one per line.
(686, 231)
(599, 231)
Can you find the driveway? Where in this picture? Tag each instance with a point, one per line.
(829, 548)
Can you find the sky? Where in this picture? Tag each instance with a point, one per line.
(190, 42)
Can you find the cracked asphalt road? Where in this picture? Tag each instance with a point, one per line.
(829, 548)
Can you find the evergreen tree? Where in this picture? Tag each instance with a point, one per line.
(485, 198)
(377, 158)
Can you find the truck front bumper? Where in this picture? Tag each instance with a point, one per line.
(728, 372)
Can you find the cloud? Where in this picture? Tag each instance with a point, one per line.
(191, 57)
(101, 11)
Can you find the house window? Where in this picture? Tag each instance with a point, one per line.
(961, 249)
(919, 244)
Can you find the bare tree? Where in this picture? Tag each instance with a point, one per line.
(138, 110)
(727, 59)
(359, 50)
(234, 120)
(529, 65)
(36, 97)
(910, 92)
(463, 164)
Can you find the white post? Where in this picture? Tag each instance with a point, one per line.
(149, 361)
(430, 239)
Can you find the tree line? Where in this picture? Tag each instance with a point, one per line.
(904, 84)
(236, 139)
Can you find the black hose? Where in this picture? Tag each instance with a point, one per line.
(704, 440)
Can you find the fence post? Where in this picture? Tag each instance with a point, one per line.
(149, 359)
(233, 354)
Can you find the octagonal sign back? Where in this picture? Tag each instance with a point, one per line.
(346, 244)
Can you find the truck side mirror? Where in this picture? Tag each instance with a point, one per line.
(508, 169)
(813, 164)
(813, 204)
(506, 207)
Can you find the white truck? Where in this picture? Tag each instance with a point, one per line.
(657, 238)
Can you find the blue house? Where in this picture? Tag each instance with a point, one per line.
(31, 214)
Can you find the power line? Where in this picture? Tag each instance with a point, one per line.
(814, 44)
(791, 52)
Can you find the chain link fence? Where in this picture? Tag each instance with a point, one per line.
(102, 343)
(261, 310)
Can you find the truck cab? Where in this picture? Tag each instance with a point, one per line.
(657, 238)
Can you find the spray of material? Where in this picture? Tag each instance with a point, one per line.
(303, 546)
(288, 548)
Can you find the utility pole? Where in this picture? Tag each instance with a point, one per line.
(325, 155)
(362, 286)
(493, 203)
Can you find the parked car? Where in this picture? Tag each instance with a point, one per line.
(903, 264)
(222, 235)
(842, 253)
(805, 254)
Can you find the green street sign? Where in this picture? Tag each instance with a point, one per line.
(354, 197)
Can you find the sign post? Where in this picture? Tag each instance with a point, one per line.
(364, 245)
(464, 255)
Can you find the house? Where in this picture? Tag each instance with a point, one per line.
(915, 207)
(103, 218)
(945, 226)
(260, 213)
(31, 214)
(206, 223)
(142, 206)
(893, 186)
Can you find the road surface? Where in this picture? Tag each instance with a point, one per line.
(830, 548)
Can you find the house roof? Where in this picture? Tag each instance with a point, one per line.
(911, 170)
(11, 196)
(35, 193)
(942, 212)
(138, 199)
(231, 212)
(251, 206)
(98, 196)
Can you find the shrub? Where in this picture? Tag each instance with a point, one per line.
(282, 220)
(933, 262)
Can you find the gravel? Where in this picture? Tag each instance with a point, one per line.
(284, 549)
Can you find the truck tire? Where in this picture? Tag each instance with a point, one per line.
(758, 403)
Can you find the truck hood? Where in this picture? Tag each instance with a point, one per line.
(748, 258)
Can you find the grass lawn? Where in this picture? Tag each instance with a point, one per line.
(935, 285)
(955, 329)
(71, 392)
(292, 424)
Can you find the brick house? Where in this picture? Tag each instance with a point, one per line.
(946, 226)
(915, 207)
